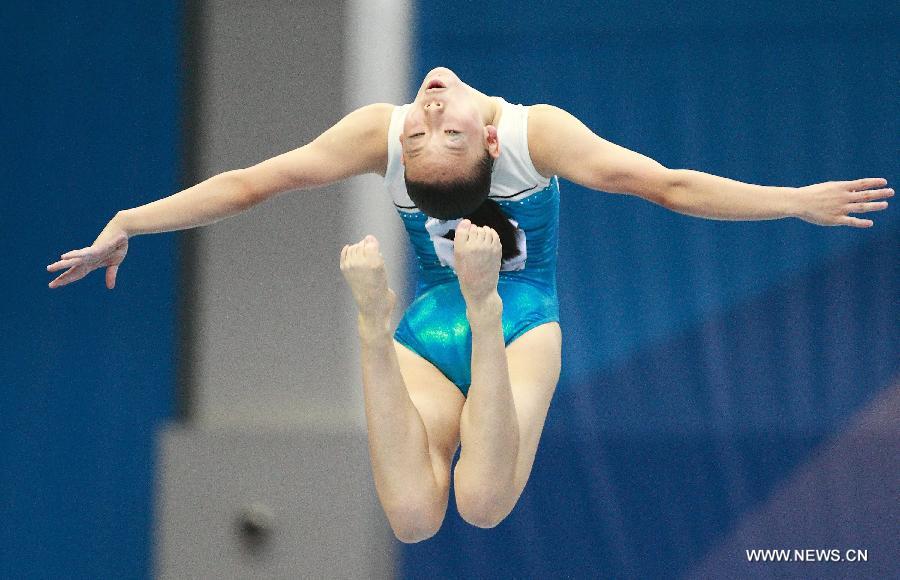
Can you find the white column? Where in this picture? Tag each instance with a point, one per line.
(378, 70)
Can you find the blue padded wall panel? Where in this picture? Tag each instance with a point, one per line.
(91, 106)
(704, 361)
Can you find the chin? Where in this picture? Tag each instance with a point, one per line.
(440, 69)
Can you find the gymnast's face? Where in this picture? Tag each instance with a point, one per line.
(444, 135)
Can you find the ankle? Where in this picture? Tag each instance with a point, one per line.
(374, 328)
(485, 309)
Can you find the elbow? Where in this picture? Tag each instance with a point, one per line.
(669, 189)
(240, 185)
(661, 186)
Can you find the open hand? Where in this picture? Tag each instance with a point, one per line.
(827, 204)
(108, 251)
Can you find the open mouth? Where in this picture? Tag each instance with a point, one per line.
(435, 84)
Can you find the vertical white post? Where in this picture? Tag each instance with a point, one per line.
(377, 69)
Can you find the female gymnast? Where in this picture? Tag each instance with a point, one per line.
(476, 358)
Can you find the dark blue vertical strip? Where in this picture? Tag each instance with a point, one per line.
(90, 126)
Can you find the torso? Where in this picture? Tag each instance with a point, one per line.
(435, 324)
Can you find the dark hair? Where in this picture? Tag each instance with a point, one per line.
(466, 198)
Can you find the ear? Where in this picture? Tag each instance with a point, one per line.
(492, 141)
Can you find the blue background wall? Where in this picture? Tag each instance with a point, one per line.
(91, 126)
(704, 362)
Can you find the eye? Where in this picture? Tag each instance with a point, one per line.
(416, 135)
(452, 132)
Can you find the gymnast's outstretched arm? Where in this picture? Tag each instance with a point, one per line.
(561, 144)
(357, 144)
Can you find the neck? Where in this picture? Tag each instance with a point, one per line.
(489, 107)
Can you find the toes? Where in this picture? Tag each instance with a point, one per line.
(492, 238)
(371, 241)
(363, 252)
(463, 231)
(466, 231)
(370, 249)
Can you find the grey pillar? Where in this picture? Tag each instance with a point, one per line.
(268, 475)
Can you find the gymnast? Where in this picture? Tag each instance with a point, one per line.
(475, 359)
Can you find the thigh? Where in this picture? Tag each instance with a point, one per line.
(439, 403)
(534, 361)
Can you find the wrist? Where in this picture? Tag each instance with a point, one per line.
(121, 221)
(792, 198)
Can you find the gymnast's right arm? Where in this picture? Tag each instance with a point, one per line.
(357, 144)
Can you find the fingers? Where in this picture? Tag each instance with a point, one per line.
(855, 222)
(69, 276)
(867, 207)
(73, 258)
(867, 183)
(75, 267)
(872, 194)
(74, 253)
(111, 276)
(62, 264)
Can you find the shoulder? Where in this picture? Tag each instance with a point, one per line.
(360, 137)
(371, 121)
(364, 124)
(375, 111)
(542, 121)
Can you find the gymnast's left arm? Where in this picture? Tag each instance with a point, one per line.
(560, 144)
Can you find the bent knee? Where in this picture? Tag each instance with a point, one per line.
(482, 507)
(412, 524)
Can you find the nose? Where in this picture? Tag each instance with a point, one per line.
(434, 105)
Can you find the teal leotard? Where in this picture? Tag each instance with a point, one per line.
(435, 324)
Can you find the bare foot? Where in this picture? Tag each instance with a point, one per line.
(363, 267)
(476, 255)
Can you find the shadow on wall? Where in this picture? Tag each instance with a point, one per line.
(844, 499)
